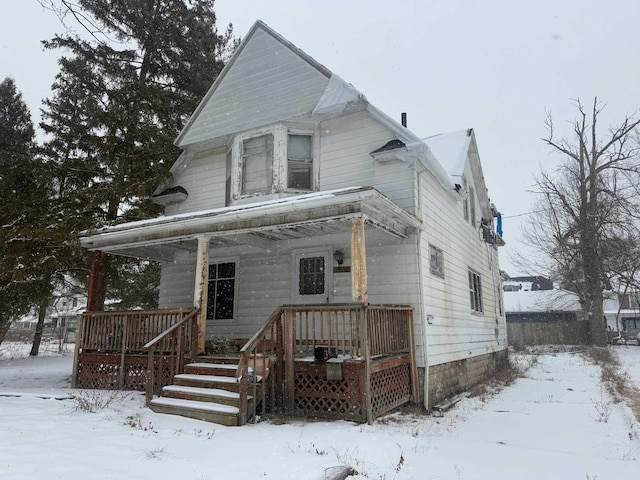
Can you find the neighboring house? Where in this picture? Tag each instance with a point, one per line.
(295, 198)
(526, 302)
(622, 312)
(60, 318)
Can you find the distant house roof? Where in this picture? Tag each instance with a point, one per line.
(529, 301)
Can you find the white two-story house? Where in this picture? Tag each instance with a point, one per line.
(293, 190)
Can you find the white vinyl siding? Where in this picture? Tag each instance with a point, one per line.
(345, 144)
(204, 179)
(455, 333)
(268, 83)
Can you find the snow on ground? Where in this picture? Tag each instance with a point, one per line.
(555, 423)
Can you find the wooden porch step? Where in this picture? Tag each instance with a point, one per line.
(219, 358)
(209, 381)
(215, 395)
(207, 411)
(206, 368)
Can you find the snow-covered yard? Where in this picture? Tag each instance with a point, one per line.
(556, 422)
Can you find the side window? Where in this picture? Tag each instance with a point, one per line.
(257, 165)
(475, 292)
(312, 273)
(222, 291)
(227, 186)
(300, 162)
(465, 201)
(436, 261)
(472, 206)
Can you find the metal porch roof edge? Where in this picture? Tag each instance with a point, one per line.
(366, 200)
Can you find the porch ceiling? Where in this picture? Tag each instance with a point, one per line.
(257, 224)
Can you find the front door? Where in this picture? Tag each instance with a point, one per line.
(312, 276)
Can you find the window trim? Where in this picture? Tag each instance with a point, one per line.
(279, 184)
(475, 292)
(439, 252)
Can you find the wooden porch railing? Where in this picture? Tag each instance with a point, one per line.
(169, 350)
(118, 331)
(122, 332)
(350, 331)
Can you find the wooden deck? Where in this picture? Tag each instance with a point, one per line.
(351, 361)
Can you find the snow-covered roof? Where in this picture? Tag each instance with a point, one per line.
(451, 149)
(272, 218)
(556, 300)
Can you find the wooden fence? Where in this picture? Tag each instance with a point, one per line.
(520, 335)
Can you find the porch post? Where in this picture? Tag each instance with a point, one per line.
(358, 262)
(94, 281)
(200, 291)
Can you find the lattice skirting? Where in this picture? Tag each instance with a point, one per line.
(102, 371)
(390, 385)
(317, 396)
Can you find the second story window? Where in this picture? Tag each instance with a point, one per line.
(299, 162)
(270, 161)
(257, 164)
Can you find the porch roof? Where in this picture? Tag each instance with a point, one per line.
(258, 224)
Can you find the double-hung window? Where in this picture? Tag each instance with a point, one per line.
(257, 164)
(271, 161)
(475, 292)
(299, 162)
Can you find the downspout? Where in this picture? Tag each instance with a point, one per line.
(418, 169)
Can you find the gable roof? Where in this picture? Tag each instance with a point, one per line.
(264, 67)
(267, 66)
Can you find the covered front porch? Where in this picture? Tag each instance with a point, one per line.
(311, 356)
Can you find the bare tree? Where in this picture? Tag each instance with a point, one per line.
(588, 207)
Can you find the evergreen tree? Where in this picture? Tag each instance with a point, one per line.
(118, 103)
(20, 196)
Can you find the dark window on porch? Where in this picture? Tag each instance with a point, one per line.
(222, 288)
(311, 276)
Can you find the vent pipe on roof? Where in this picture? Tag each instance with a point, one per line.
(403, 119)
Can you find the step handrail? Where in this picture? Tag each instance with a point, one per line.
(152, 346)
(250, 351)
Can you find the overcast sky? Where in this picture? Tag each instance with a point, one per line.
(494, 65)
